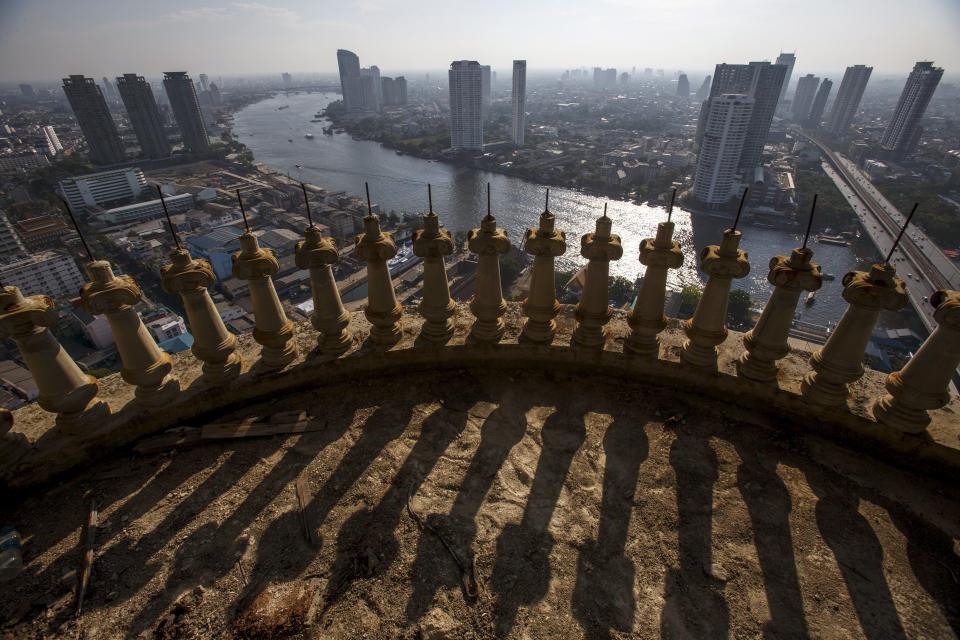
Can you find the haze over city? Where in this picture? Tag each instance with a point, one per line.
(523, 320)
(48, 39)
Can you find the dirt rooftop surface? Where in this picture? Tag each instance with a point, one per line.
(493, 504)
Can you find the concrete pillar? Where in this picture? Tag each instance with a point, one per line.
(212, 343)
(383, 311)
(319, 254)
(923, 384)
(541, 307)
(647, 320)
(64, 388)
(433, 243)
(273, 331)
(767, 342)
(144, 363)
(488, 305)
(593, 312)
(840, 361)
(708, 327)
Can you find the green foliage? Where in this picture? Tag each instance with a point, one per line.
(738, 307)
(689, 297)
(100, 372)
(510, 268)
(620, 290)
(939, 219)
(560, 280)
(832, 208)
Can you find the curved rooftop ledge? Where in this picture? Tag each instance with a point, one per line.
(36, 450)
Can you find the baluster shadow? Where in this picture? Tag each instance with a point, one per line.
(695, 605)
(603, 597)
(521, 571)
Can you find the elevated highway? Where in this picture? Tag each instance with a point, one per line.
(917, 259)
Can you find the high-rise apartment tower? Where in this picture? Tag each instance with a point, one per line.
(904, 130)
(725, 132)
(848, 99)
(144, 115)
(186, 110)
(94, 119)
(519, 100)
(466, 120)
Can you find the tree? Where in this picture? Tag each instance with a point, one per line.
(689, 297)
(738, 307)
(620, 290)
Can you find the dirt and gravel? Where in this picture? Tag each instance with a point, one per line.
(485, 504)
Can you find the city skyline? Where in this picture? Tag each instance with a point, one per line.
(33, 48)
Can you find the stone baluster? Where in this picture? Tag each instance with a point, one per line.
(767, 341)
(212, 343)
(840, 361)
(541, 307)
(273, 331)
(319, 254)
(64, 388)
(593, 312)
(923, 383)
(433, 243)
(383, 311)
(488, 305)
(647, 320)
(708, 327)
(144, 363)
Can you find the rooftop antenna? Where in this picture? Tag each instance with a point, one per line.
(813, 208)
(900, 235)
(670, 206)
(430, 197)
(77, 227)
(604, 209)
(173, 231)
(366, 185)
(743, 199)
(243, 212)
(546, 203)
(489, 215)
(306, 203)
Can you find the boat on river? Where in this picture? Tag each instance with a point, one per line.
(811, 298)
(838, 241)
(308, 136)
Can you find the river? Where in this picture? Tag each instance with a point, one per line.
(459, 197)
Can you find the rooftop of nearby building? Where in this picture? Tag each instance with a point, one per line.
(586, 495)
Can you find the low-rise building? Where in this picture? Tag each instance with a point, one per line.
(48, 273)
(41, 232)
(104, 188)
(149, 210)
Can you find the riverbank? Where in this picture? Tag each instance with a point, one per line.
(432, 148)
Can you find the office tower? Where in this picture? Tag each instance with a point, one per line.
(466, 121)
(904, 130)
(519, 97)
(104, 188)
(27, 91)
(204, 82)
(53, 140)
(388, 89)
(215, 98)
(819, 104)
(485, 91)
(94, 119)
(350, 85)
(371, 89)
(848, 99)
(401, 86)
(704, 89)
(186, 110)
(597, 77)
(144, 115)
(109, 92)
(761, 81)
(624, 78)
(787, 60)
(803, 97)
(683, 86)
(287, 80)
(725, 132)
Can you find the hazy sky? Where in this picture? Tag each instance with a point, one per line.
(50, 39)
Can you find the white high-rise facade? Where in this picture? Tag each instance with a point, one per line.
(466, 105)
(519, 101)
(725, 131)
(848, 99)
(485, 91)
(349, 66)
